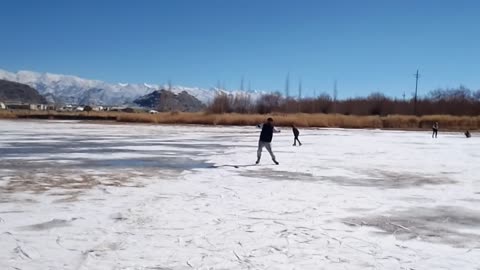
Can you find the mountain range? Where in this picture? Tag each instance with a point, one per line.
(14, 92)
(69, 89)
(164, 101)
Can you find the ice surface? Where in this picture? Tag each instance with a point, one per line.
(93, 196)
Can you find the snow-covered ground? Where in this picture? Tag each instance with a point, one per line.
(111, 196)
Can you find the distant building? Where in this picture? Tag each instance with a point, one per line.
(17, 106)
(26, 106)
(66, 108)
(98, 108)
(116, 109)
(2, 106)
(128, 110)
(38, 107)
(152, 112)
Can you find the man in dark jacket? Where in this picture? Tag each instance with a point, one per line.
(295, 136)
(265, 139)
(435, 130)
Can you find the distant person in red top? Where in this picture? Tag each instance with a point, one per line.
(296, 133)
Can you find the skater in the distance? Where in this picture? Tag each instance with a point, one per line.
(266, 139)
(467, 134)
(296, 133)
(435, 130)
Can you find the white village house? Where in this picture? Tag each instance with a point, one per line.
(66, 108)
(2, 106)
(26, 106)
(38, 107)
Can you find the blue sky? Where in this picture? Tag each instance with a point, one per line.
(366, 46)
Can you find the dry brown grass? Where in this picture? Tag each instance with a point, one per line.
(446, 122)
(4, 114)
(451, 122)
(309, 120)
(192, 118)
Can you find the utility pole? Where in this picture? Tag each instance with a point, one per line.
(314, 100)
(416, 94)
(300, 89)
(218, 98)
(299, 95)
(287, 86)
(169, 85)
(287, 91)
(335, 93)
(241, 84)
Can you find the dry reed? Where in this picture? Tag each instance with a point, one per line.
(4, 114)
(447, 122)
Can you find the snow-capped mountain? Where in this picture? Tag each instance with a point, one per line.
(71, 89)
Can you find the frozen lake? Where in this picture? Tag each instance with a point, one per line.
(112, 196)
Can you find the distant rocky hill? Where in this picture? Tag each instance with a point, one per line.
(66, 89)
(19, 93)
(163, 100)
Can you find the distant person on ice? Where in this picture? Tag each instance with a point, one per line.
(265, 139)
(467, 134)
(296, 133)
(435, 130)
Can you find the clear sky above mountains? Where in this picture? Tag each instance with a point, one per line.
(366, 46)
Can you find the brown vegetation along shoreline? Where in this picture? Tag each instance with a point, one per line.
(447, 122)
(4, 114)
